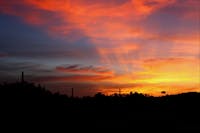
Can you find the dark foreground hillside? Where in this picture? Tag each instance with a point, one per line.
(26, 106)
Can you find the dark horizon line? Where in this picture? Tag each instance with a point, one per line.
(120, 93)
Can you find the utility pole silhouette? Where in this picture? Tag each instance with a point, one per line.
(72, 93)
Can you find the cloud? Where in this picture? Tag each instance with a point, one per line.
(84, 69)
(2, 55)
(70, 53)
(13, 68)
(6, 66)
(117, 54)
(187, 10)
(186, 49)
(149, 6)
(116, 20)
(72, 78)
(95, 19)
(105, 24)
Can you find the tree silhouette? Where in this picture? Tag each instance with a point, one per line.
(178, 112)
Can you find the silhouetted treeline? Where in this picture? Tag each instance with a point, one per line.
(27, 102)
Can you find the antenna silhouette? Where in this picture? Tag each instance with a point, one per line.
(22, 77)
(119, 91)
(72, 92)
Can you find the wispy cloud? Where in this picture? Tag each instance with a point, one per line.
(11, 68)
(72, 78)
(84, 69)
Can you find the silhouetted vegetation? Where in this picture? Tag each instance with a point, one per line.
(24, 103)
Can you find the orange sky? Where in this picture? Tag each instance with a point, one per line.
(137, 45)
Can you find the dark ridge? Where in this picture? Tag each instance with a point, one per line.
(27, 105)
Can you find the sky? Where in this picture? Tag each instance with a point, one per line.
(145, 46)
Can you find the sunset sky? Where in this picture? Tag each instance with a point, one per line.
(94, 46)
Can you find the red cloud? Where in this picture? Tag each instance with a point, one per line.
(95, 19)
